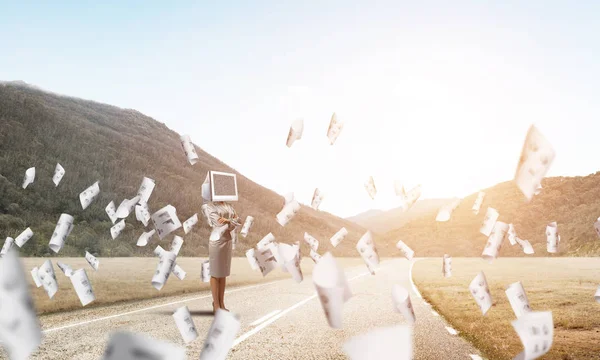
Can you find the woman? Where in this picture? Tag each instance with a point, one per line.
(223, 219)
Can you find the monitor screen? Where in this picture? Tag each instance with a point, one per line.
(224, 186)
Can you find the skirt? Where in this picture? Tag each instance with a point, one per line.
(219, 256)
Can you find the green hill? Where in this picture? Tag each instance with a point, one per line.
(573, 202)
(118, 147)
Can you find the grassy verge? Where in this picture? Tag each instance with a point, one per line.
(565, 286)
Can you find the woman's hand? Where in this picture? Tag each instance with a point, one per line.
(223, 221)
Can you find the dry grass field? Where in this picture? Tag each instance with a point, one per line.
(566, 286)
(128, 279)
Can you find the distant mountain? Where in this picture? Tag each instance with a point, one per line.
(118, 147)
(573, 202)
(384, 221)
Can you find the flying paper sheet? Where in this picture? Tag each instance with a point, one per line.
(295, 133)
(332, 288)
(36, 277)
(318, 197)
(82, 286)
(536, 157)
(411, 197)
(221, 335)
(189, 223)
(445, 212)
(527, 248)
(512, 234)
(251, 256)
(335, 128)
(402, 303)
(29, 177)
(389, 343)
(8, 243)
(288, 212)
(185, 324)
(20, 333)
(165, 221)
(62, 230)
(552, 237)
(370, 187)
(311, 241)
(179, 272)
(59, 172)
(406, 251)
(189, 149)
(337, 238)
(111, 211)
(447, 265)
(176, 244)
(145, 190)
(478, 202)
(66, 269)
(399, 189)
(288, 198)
(142, 214)
(315, 256)
(494, 243)
(475, 357)
(491, 216)
(247, 225)
(88, 195)
(205, 271)
(48, 278)
(23, 237)
(117, 229)
(518, 299)
(597, 295)
(536, 331)
(129, 346)
(145, 237)
(165, 266)
(126, 207)
(264, 242)
(267, 258)
(158, 251)
(290, 258)
(366, 249)
(481, 292)
(91, 259)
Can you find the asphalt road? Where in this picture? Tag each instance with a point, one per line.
(296, 327)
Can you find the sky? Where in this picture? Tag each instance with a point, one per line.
(435, 93)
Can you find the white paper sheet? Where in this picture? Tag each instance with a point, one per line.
(62, 230)
(370, 187)
(88, 195)
(185, 324)
(491, 216)
(481, 292)
(83, 287)
(189, 223)
(48, 278)
(129, 346)
(411, 197)
(527, 248)
(92, 260)
(20, 332)
(295, 132)
(290, 257)
(23, 237)
(367, 250)
(402, 303)
(536, 157)
(311, 241)
(205, 271)
(518, 299)
(332, 288)
(597, 295)
(126, 207)
(142, 214)
(318, 197)
(189, 149)
(8, 244)
(251, 256)
(552, 237)
(117, 228)
(176, 244)
(315, 256)
(265, 241)
(145, 237)
(406, 251)
(66, 269)
(288, 212)
(447, 265)
(29, 177)
(445, 212)
(36, 277)
(389, 343)
(399, 189)
(536, 331)
(267, 258)
(164, 268)
(59, 172)
(478, 202)
(335, 128)
(221, 335)
(111, 211)
(145, 190)
(179, 272)
(512, 234)
(338, 237)
(166, 221)
(494, 243)
(247, 225)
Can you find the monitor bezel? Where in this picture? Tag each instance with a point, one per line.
(223, 197)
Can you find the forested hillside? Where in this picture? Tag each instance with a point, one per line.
(118, 147)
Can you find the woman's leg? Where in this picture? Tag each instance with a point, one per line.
(214, 287)
(222, 293)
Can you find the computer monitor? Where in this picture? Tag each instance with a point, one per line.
(223, 186)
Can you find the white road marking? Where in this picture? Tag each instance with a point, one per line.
(412, 283)
(266, 317)
(156, 307)
(281, 314)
